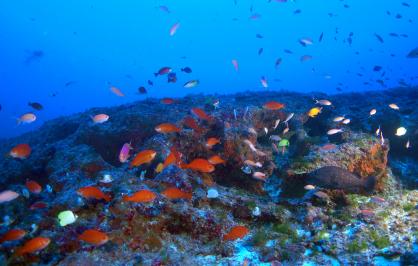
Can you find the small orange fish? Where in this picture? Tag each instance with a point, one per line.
(12, 235)
(236, 232)
(189, 122)
(201, 165)
(212, 142)
(273, 105)
(94, 237)
(142, 196)
(90, 192)
(100, 118)
(328, 147)
(216, 159)
(201, 114)
(26, 118)
(117, 91)
(167, 100)
(260, 176)
(33, 186)
(21, 151)
(143, 157)
(167, 128)
(173, 158)
(367, 213)
(33, 245)
(175, 193)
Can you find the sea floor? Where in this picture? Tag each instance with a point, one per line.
(261, 202)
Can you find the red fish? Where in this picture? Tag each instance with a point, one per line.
(143, 157)
(117, 91)
(21, 151)
(201, 114)
(125, 152)
(173, 158)
(189, 122)
(236, 232)
(12, 235)
(167, 128)
(142, 196)
(33, 186)
(167, 100)
(33, 245)
(175, 193)
(94, 237)
(38, 205)
(201, 165)
(235, 64)
(90, 192)
(212, 142)
(163, 71)
(216, 159)
(273, 105)
(174, 28)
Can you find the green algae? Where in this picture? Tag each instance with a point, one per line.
(356, 246)
(286, 229)
(260, 238)
(378, 240)
(408, 207)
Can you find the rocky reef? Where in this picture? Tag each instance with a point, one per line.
(268, 144)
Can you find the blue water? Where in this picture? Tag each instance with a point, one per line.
(97, 43)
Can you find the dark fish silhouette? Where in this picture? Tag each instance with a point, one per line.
(320, 37)
(379, 38)
(36, 106)
(333, 177)
(33, 56)
(260, 51)
(187, 70)
(413, 53)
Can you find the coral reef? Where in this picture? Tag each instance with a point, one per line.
(260, 183)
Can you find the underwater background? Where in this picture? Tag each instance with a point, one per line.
(224, 132)
(91, 44)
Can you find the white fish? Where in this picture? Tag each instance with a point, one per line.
(27, 118)
(309, 187)
(252, 163)
(306, 41)
(256, 211)
(323, 102)
(346, 121)
(382, 139)
(66, 217)
(407, 145)
(394, 106)
(400, 131)
(289, 117)
(276, 123)
(106, 179)
(373, 112)
(8, 195)
(260, 176)
(334, 131)
(266, 130)
(235, 114)
(378, 131)
(339, 119)
(174, 28)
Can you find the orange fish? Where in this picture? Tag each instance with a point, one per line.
(100, 118)
(21, 151)
(175, 193)
(94, 237)
(90, 192)
(236, 232)
(143, 157)
(33, 245)
(212, 142)
(167, 128)
(201, 165)
(12, 235)
(142, 196)
(201, 114)
(173, 157)
(189, 122)
(33, 186)
(117, 91)
(167, 100)
(216, 159)
(273, 105)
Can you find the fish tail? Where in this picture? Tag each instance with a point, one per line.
(182, 69)
(370, 183)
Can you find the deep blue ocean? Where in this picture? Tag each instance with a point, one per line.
(66, 54)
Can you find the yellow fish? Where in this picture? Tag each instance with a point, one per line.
(159, 168)
(314, 111)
